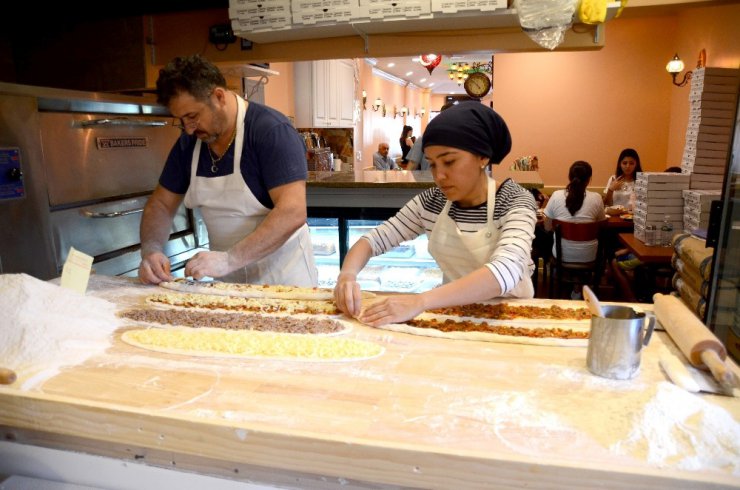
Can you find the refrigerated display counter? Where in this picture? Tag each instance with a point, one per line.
(407, 268)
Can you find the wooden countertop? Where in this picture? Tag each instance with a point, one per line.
(649, 255)
(416, 179)
(431, 413)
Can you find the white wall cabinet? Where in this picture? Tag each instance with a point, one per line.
(324, 94)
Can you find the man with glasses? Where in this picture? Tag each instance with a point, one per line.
(244, 166)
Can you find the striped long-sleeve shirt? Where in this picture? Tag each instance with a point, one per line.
(514, 215)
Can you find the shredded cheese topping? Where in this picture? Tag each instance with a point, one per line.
(240, 343)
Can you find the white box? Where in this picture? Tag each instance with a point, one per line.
(300, 5)
(655, 209)
(454, 6)
(327, 15)
(386, 10)
(260, 23)
(706, 128)
(660, 177)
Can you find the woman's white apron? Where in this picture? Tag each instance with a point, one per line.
(458, 254)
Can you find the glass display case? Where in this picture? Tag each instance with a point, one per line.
(407, 268)
(723, 309)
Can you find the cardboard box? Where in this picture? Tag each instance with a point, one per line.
(713, 138)
(644, 208)
(660, 177)
(726, 105)
(706, 128)
(700, 95)
(454, 6)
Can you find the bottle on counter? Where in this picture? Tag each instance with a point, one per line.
(666, 232)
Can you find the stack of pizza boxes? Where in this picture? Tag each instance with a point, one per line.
(713, 100)
(659, 198)
(697, 204)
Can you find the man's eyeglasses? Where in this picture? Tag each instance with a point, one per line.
(187, 122)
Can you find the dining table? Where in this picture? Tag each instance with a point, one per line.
(650, 255)
(656, 265)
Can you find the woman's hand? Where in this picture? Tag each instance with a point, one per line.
(348, 295)
(617, 184)
(392, 309)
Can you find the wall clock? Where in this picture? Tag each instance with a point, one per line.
(477, 84)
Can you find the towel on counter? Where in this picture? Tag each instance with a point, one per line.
(690, 297)
(694, 253)
(690, 276)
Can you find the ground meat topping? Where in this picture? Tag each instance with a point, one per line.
(504, 311)
(468, 326)
(236, 321)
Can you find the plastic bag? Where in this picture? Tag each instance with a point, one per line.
(545, 21)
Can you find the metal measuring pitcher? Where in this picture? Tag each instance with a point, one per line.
(616, 341)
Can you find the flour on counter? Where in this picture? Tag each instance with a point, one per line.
(44, 327)
(679, 429)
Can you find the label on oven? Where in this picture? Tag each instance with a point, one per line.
(111, 143)
(11, 174)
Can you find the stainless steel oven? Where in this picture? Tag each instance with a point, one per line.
(76, 170)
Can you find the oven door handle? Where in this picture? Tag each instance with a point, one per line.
(123, 122)
(114, 214)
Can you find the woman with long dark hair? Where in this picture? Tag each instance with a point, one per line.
(407, 141)
(620, 188)
(576, 204)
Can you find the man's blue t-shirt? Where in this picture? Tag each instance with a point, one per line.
(273, 155)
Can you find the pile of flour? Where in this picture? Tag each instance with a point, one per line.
(44, 327)
(679, 429)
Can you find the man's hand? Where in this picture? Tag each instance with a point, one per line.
(154, 268)
(211, 264)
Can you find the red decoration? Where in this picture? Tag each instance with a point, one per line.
(430, 61)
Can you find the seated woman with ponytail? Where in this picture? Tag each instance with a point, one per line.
(576, 204)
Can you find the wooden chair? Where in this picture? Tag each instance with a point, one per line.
(583, 273)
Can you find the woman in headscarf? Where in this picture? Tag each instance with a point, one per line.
(480, 231)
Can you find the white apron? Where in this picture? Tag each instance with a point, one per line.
(231, 212)
(458, 254)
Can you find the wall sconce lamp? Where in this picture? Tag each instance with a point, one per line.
(674, 67)
(364, 100)
(377, 104)
(421, 113)
(404, 110)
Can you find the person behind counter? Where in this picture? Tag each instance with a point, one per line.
(407, 141)
(244, 166)
(479, 234)
(381, 160)
(620, 188)
(415, 157)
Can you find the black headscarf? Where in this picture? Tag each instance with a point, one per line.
(470, 126)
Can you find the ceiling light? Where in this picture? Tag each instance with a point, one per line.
(422, 80)
(391, 65)
(409, 73)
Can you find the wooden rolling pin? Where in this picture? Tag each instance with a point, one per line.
(700, 346)
(7, 376)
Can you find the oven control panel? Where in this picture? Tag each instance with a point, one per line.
(11, 174)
